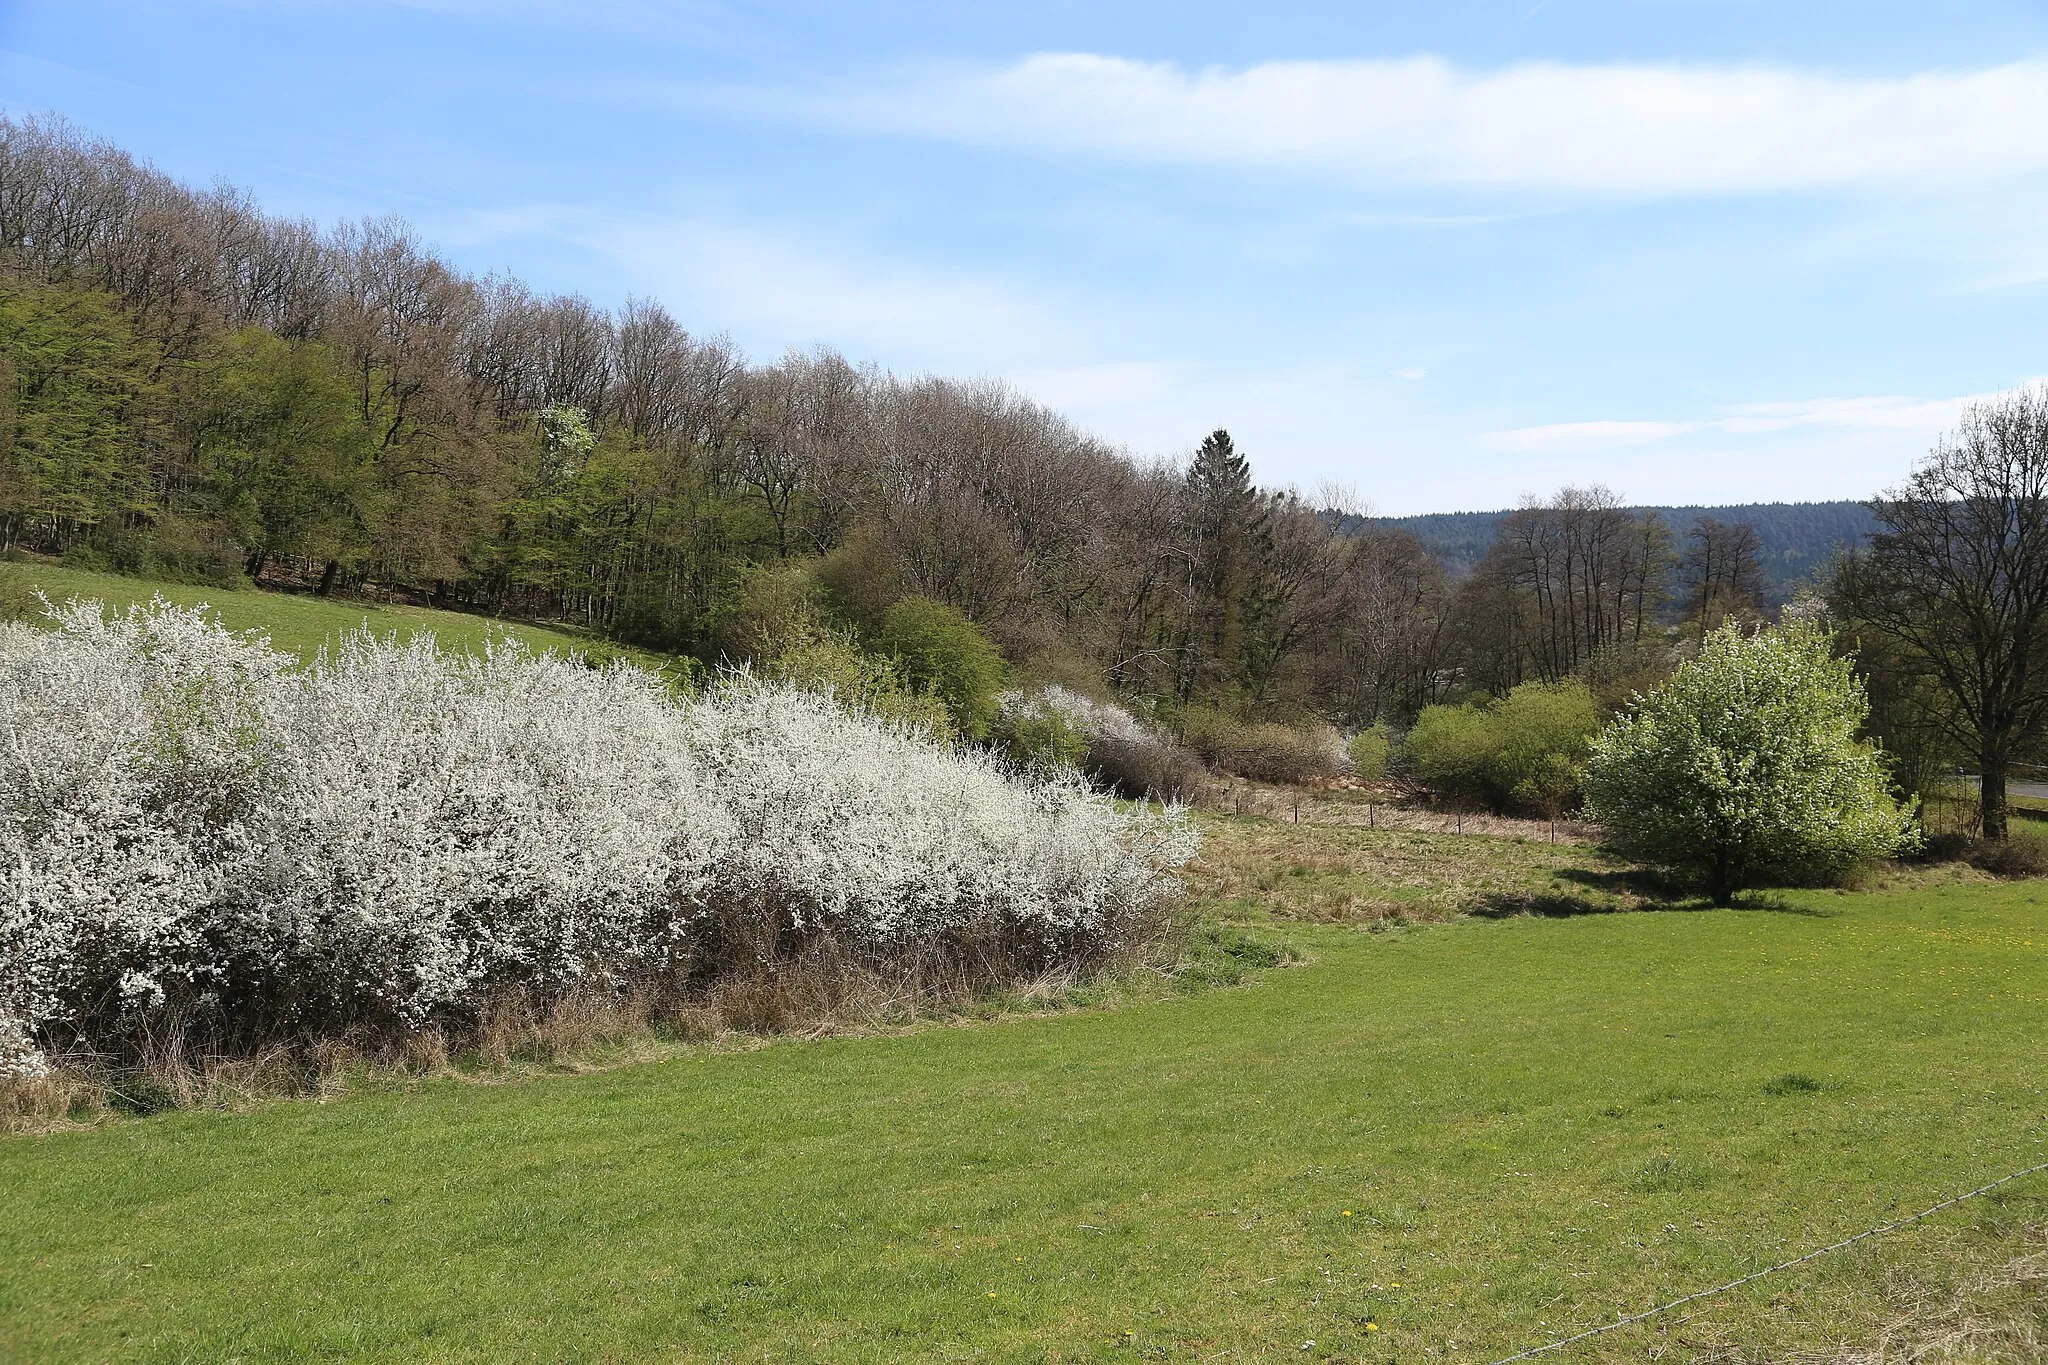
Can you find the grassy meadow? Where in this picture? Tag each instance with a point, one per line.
(1430, 1140)
(297, 623)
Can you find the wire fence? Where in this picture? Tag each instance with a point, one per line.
(1754, 1276)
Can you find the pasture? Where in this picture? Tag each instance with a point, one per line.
(296, 623)
(1430, 1140)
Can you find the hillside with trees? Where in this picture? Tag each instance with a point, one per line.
(197, 390)
(194, 390)
(1794, 538)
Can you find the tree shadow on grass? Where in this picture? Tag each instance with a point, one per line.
(1774, 903)
(1594, 892)
(1626, 891)
(1544, 904)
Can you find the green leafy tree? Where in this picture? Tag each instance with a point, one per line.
(937, 648)
(280, 447)
(1451, 749)
(77, 393)
(1527, 748)
(1544, 733)
(1747, 766)
(1369, 750)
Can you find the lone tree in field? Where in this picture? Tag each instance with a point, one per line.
(1955, 585)
(1746, 766)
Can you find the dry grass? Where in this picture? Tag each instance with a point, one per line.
(1380, 805)
(1338, 873)
(2000, 1318)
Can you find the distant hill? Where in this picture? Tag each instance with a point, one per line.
(1796, 536)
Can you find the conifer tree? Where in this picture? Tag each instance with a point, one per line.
(1227, 528)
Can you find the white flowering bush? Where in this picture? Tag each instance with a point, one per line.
(1748, 766)
(196, 832)
(1057, 725)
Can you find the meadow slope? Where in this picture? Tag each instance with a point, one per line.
(296, 623)
(1443, 1142)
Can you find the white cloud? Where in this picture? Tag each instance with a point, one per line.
(1633, 130)
(1922, 418)
(772, 288)
(1411, 372)
(1565, 437)
(1857, 414)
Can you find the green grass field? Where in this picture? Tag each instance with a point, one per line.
(1437, 1142)
(296, 623)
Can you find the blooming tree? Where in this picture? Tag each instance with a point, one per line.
(1747, 765)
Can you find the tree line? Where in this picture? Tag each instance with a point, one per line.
(1794, 538)
(191, 387)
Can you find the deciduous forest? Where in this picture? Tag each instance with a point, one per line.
(196, 389)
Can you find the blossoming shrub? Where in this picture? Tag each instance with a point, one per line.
(1265, 751)
(1748, 766)
(195, 834)
(1057, 726)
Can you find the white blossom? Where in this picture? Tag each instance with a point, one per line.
(394, 832)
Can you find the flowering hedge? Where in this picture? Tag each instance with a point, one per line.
(194, 828)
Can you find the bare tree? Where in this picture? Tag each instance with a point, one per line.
(1573, 577)
(1722, 573)
(1956, 580)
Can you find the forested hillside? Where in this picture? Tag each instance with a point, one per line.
(1795, 536)
(193, 389)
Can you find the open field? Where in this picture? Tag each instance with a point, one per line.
(1341, 872)
(1438, 1142)
(298, 624)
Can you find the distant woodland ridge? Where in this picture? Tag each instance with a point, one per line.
(1796, 537)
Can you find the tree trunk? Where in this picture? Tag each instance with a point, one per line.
(327, 578)
(254, 564)
(1991, 799)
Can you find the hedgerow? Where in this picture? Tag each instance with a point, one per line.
(196, 834)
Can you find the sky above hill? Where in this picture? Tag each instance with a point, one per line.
(1443, 255)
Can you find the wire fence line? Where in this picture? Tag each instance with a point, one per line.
(1768, 1270)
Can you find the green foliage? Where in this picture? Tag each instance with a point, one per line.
(861, 579)
(777, 624)
(1747, 766)
(75, 399)
(1527, 748)
(1451, 749)
(286, 460)
(937, 649)
(1369, 750)
(832, 661)
(776, 608)
(1545, 730)
(1040, 737)
(171, 549)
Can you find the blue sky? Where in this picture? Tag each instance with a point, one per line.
(1440, 255)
